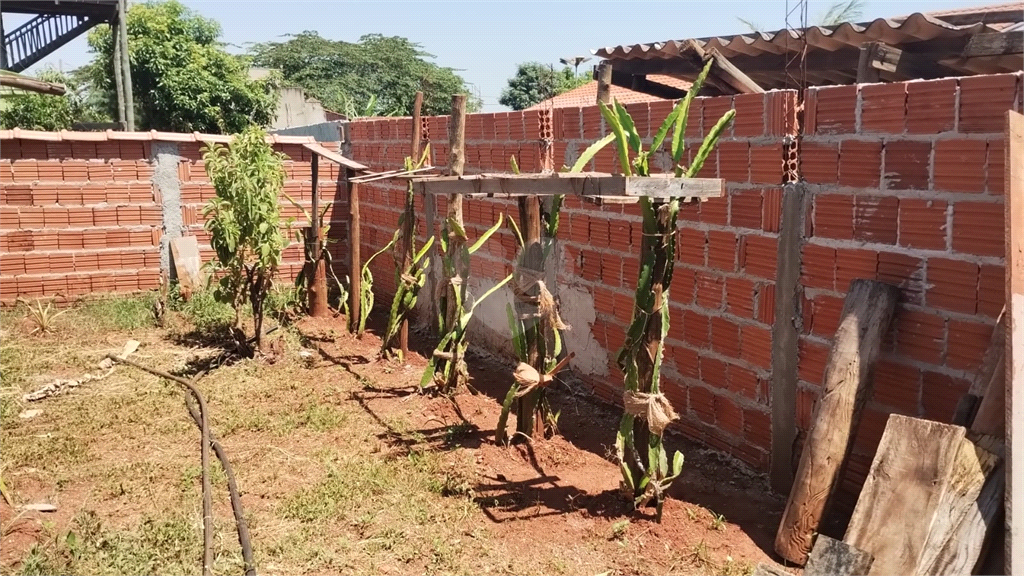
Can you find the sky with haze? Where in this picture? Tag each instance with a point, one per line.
(485, 40)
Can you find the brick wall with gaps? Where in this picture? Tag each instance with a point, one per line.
(85, 217)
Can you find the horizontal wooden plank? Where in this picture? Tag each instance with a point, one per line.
(576, 184)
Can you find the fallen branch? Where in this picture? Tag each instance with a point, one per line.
(200, 418)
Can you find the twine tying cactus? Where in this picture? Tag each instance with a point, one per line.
(528, 379)
(654, 408)
(546, 306)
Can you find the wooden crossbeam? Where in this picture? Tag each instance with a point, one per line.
(878, 59)
(994, 44)
(575, 184)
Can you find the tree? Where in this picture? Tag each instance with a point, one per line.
(46, 111)
(534, 82)
(376, 75)
(183, 79)
(834, 15)
(243, 219)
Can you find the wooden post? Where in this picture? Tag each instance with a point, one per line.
(456, 165)
(785, 356)
(1014, 227)
(126, 65)
(115, 35)
(604, 82)
(408, 241)
(867, 313)
(529, 417)
(318, 283)
(355, 265)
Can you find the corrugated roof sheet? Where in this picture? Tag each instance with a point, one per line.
(895, 31)
(586, 94)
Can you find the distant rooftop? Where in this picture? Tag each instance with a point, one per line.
(586, 95)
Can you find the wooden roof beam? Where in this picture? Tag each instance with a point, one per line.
(994, 44)
(725, 72)
(877, 58)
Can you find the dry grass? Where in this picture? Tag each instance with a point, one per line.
(328, 486)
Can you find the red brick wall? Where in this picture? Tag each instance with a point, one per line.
(77, 218)
(718, 359)
(85, 217)
(906, 186)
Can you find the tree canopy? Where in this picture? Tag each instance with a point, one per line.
(534, 82)
(183, 80)
(47, 111)
(387, 70)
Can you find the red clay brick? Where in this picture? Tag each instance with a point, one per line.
(44, 194)
(996, 167)
(702, 401)
(818, 265)
(822, 315)
(977, 228)
(604, 302)
(941, 394)
(920, 335)
(685, 359)
(745, 209)
(968, 342)
(739, 297)
(984, 101)
(805, 400)
(713, 110)
(600, 236)
(833, 216)
(819, 163)
(728, 416)
(746, 383)
(923, 223)
(709, 290)
(897, 386)
(875, 219)
(684, 283)
(883, 108)
(836, 110)
(734, 161)
(953, 285)
(715, 211)
(725, 337)
(766, 164)
(759, 255)
(722, 250)
(906, 165)
(757, 346)
(853, 263)
(772, 214)
(698, 329)
(757, 427)
(960, 165)
(54, 217)
(860, 164)
(991, 290)
(907, 272)
(766, 304)
(931, 106)
(70, 240)
(714, 372)
(749, 115)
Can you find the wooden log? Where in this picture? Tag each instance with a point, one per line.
(456, 165)
(318, 283)
(604, 82)
(831, 557)
(867, 313)
(355, 265)
(990, 374)
(914, 512)
(409, 236)
(529, 416)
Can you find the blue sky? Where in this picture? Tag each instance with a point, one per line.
(485, 40)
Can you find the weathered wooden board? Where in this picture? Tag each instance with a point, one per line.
(187, 264)
(831, 557)
(866, 316)
(575, 183)
(917, 513)
(1014, 380)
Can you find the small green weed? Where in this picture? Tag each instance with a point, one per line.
(131, 313)
(717, 522)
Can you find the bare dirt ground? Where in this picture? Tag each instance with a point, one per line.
(343, 466)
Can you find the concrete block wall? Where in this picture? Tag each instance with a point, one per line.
(93, 213)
